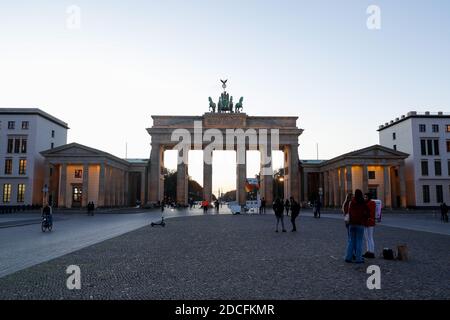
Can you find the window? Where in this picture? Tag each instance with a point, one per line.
(423, 147)
(11, 124)
(429, 147)
(8, 166)
(436, 147)
(437, 168)
(395, 147)
(424, 168)
(435, 128)
(10, 145)
(394, 136)
(78, 174)
(372, 175)
(22, 166)
(52, 145)
(16, 145)
(422, 128)
(6, 192)
(23, 148)
(448, 145)
(53, 133)
(426, 194)
(21, 192)
(448, 167)
(447, 128)
(439, 194)
(25, 125)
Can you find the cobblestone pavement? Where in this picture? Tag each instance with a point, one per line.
(239, 257)
(25, 245)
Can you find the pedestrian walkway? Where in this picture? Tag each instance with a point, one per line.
(426, 222)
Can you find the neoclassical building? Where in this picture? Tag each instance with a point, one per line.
(376, 169)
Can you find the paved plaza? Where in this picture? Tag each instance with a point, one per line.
(231, 257)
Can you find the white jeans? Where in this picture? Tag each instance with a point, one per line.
(368, 235)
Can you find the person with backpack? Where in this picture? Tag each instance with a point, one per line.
(295, 211)
(278, 208)
(358, 215)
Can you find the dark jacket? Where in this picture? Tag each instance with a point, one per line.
(278, 208)
(295, 209)
(359, 213)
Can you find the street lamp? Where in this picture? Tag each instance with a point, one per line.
(44, 191)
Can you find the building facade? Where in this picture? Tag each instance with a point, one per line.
(24, 133)
(377, 170)
(426, 138)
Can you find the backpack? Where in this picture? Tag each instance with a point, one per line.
(388, 254)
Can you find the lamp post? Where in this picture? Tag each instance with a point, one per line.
(44, 191)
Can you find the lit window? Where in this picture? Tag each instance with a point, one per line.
(21, 192)
(78, 174)
(25, 125)
(371, 175)
(422, 128)
(22, 166)
(8, 166)
(11, 124)
(447, 128)
(6, 192)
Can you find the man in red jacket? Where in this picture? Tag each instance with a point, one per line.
(369, 227)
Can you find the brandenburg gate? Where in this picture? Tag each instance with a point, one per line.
(226, 128)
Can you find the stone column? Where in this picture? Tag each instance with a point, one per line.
(266, 174)
(291, 172)
(330, 188)
(182, 179)
(305, 186)
(156, 181)
(101, 186)
(47, 183)
(387, 186)
(241, 176)
(365, 178)
(401, 176)
(62, 203)
(85, 191)
(349, 178)
(207, 175)
(341, 185)
(335, 187)
(325, 189)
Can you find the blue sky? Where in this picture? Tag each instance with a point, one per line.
(312, 59)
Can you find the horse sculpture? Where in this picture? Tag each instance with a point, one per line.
(212, 105)
(239, 105)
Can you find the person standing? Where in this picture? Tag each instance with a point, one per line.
(358, 213)
(216, 205)
(287, 205)
(345, 207)
(262, 208)
(369, 227)
(295, 211)
(278, 208)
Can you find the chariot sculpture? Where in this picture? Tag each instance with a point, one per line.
(225, 103)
